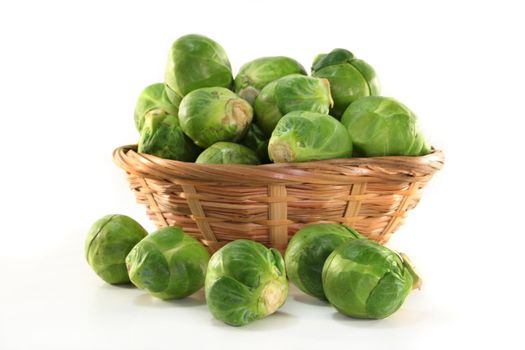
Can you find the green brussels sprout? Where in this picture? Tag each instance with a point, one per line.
(194, 62)
(245, 282)
(173, 97)
(256, 74)
(256, 140)
(304, 136)
(168, 263)
(153, 97)
(364, 279)
(308, 250)
(293, 92)
(108, 242)
(228, 153)
(318, 58)
(162, 136)
(382, 126)
(210, 115)
(350, 78)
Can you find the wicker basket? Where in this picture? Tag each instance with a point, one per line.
(269, 203)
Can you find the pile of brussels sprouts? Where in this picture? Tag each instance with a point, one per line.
(271, 111)
(244, 281)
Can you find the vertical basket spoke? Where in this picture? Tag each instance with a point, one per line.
(278, 212)
(197, 211)
(161, 220)
(268, 203)
(400, 212)
(354, 205)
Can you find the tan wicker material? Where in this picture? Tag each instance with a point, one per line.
(269, 203)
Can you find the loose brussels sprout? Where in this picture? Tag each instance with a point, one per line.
(162, 136)
(168, 263)
(350, 78)
(210, 115)
(254, 75)
(245, 282)
(256, 140)
(364, 279)
(153, 97)
(308, 250)
(108, 242)
(194, 62)
(291, 93)
(228, 153)
(304, 136)
(382, 126)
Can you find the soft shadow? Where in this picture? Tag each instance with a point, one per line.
(120, 286)
(401, 319)
(277, 320)
(310, 300)
(357, 322)
(146, 300)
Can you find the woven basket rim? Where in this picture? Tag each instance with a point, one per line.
(268, 203)
(352, 170)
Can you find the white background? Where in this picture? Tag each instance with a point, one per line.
(69, 76)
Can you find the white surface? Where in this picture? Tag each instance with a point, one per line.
(69, 76)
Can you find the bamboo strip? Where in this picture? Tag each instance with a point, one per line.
(278, 212)
(152, 202)
(197, 210)
(269, 203)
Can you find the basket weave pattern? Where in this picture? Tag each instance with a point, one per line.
(269, 203)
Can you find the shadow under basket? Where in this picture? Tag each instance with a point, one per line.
(269, 203)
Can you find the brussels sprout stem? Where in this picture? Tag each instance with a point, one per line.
(281, 152)
(272, 296)
(418, 282)
(326, 83)
(237, 113)
(249, 94)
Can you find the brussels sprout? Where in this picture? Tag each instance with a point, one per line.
(210, 115)
(245, 282)
(108, 242)
(194, 62)
(304, 136)
(254, 75)
(228, 153)
(308, 250)
(350, 78)
(162, 136)
(153, 97)
(317, 59)
(382, 126)
(168, 263)
(364, 279)
(256, 140)
(173, 97)
(291, 93)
